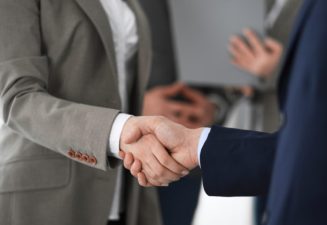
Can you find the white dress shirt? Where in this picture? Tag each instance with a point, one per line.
(124, 29)
(275, 12)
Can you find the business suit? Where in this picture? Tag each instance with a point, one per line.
(59, 98)
(295, 157)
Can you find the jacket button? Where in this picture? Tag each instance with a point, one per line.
(92, 160)
(71, 153)
(85, 158)
(78, 155)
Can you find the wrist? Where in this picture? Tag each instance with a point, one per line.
(193, 141)
(126, 132)
(116, 134)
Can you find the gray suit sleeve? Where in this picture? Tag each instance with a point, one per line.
(25, 104)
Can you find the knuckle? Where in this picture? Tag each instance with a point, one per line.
(158, 175)
(161, 172)
(142, 184)
(154, 176)
(165, 161)
(133, 174)
(125, 165)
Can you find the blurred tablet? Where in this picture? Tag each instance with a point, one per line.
(202, 29)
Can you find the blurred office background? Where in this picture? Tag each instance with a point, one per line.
(210, 210)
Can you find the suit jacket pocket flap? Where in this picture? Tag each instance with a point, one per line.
(35, 174)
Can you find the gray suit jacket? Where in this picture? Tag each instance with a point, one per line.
(58, 99)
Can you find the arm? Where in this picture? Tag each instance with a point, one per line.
(234, 162)
(25, 104)
(237, 162)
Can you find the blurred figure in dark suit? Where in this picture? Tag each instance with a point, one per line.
(194, 111)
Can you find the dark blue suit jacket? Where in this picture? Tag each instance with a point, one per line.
(290, 165)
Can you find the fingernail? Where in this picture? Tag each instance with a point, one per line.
(165, 185)
(185, 172)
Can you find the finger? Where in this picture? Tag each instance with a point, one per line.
(136, 167)
(193, 95)
(121, 154)
(273, 45)
(254, 41)
(240, 61)
(240, 64)
(172, 90)
(191, 122)
(180, 109)
(150, 180)
(234, 52)
(191, 117)
(241, 49)
(143, 150)
(160, 173)
(128, 161)
(185, 122)
(141, 178)
(204, 112)
(147, 169)
(186, 114)
(175, 170)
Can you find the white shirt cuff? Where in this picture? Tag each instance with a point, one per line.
(116, 130)
(203, 138)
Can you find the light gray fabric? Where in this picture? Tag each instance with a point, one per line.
(281, 30)
(58, 91)
(267, 100)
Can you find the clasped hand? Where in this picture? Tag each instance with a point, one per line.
(158, 151)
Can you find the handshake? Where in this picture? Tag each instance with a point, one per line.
(158, 151)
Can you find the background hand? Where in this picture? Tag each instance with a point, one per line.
(256, 57)
(196, 112)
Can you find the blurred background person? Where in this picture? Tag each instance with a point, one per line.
(179, 103)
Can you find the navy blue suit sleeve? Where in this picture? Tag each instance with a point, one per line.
(237, 162)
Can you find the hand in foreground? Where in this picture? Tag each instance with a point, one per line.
(157, 150)
(256, 57)
(197, 112)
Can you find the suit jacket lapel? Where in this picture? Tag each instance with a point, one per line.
(97, 15)
(287, 64)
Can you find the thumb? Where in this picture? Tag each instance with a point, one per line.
(273, 45)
